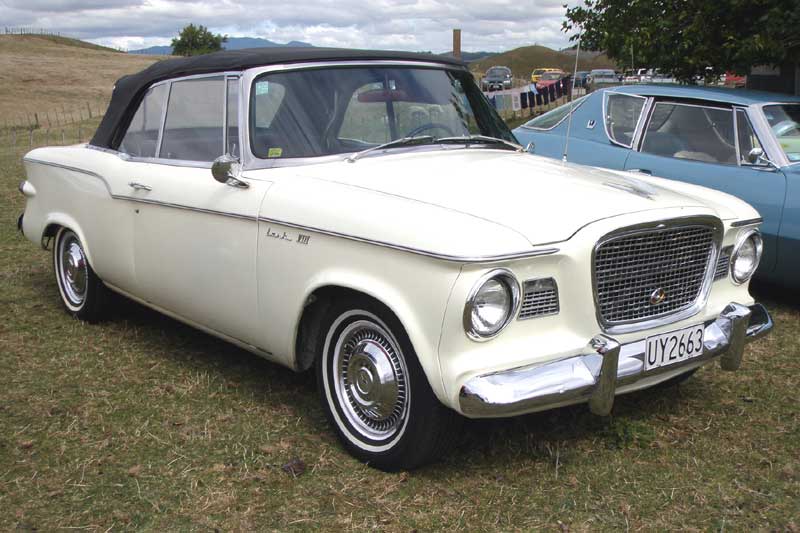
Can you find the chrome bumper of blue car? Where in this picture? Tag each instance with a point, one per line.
(607, 365)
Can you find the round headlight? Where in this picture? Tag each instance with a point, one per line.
(746, 255)
(491, 304)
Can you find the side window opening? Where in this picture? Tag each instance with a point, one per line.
(746, 136)
(622, 116)
(141, 138)
(193, 129)
(698, 133)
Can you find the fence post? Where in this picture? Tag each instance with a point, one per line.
(89, 108)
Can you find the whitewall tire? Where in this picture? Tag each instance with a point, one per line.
(374, 392)
(82, 293)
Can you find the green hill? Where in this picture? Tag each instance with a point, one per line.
(523, 60)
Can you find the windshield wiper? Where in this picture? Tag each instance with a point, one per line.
(480, 139)
(404, 141)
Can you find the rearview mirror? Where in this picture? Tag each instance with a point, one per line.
(226, 169)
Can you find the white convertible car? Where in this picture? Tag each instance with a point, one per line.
(368, 214)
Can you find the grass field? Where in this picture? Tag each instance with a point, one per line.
(142, 422)
(49, 74)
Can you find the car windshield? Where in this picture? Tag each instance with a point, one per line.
(538, 72)
(326, 111)
(551, 76)
(784, 119)
(497, 72)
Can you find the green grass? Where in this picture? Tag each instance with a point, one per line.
(144, 423)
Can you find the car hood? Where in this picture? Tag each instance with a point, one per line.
(542, 200)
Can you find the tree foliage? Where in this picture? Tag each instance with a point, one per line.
(196, 40)
(690, 37)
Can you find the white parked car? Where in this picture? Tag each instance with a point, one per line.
(369, 215)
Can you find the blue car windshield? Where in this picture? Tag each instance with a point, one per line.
(784, 119)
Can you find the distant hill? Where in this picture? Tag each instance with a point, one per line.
(523, 60)
(469, 57)
(45, 73)
(234, 43)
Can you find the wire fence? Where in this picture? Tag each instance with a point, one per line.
(56, 117)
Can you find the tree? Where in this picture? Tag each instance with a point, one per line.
(196, 40)
(690, 37)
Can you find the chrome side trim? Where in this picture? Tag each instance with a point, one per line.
(591, 376)
(70, 168)
(747, 222)
(418, 251)
(185, 207)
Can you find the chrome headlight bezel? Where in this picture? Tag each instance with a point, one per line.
(505, 276)
(743, 237)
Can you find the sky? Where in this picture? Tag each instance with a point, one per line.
(416, 25)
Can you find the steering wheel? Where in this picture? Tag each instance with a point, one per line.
(430, 126)
(784, 128)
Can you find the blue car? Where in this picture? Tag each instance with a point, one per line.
(745, 143)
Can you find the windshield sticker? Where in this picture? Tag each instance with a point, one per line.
(262, 87)
(275, 152)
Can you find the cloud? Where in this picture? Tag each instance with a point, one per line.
(492, 25)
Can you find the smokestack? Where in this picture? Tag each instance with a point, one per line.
(457, 43)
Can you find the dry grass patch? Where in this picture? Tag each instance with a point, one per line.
(40, 74)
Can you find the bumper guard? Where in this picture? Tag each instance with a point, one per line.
(595, 376)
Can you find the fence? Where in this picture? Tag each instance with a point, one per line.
(526, 102)
(55, 118)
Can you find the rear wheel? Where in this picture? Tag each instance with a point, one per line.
(374, 391)
(82, 292)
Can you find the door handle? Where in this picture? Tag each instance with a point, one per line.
(641, 171)
(140, 186)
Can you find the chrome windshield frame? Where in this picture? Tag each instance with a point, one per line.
(251, 162)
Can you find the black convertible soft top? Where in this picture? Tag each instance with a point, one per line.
(129, 90)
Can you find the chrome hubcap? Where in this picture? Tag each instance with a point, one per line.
(371, 380)
(74, 273)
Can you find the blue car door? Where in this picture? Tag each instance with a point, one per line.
(708, 145)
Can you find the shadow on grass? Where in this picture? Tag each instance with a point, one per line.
(483, 444)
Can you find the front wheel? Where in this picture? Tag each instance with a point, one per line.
(375, 393)
(82, 292)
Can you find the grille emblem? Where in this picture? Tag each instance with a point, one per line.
(657, 296)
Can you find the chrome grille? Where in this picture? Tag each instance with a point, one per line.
(539, 298)
(630, 268)
(723, 263)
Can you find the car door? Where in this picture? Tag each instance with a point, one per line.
(708, 144)
(195, 238)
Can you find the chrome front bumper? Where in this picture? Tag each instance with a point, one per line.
(607, 365)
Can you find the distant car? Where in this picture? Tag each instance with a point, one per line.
(734, 80)
(601, 77)
(742, 142)
(497, 79)
(549, 78)
(536, 75)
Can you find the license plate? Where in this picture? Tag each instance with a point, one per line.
(674, 347)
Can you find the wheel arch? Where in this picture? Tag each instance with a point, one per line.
(321, 296)
(54, 222)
